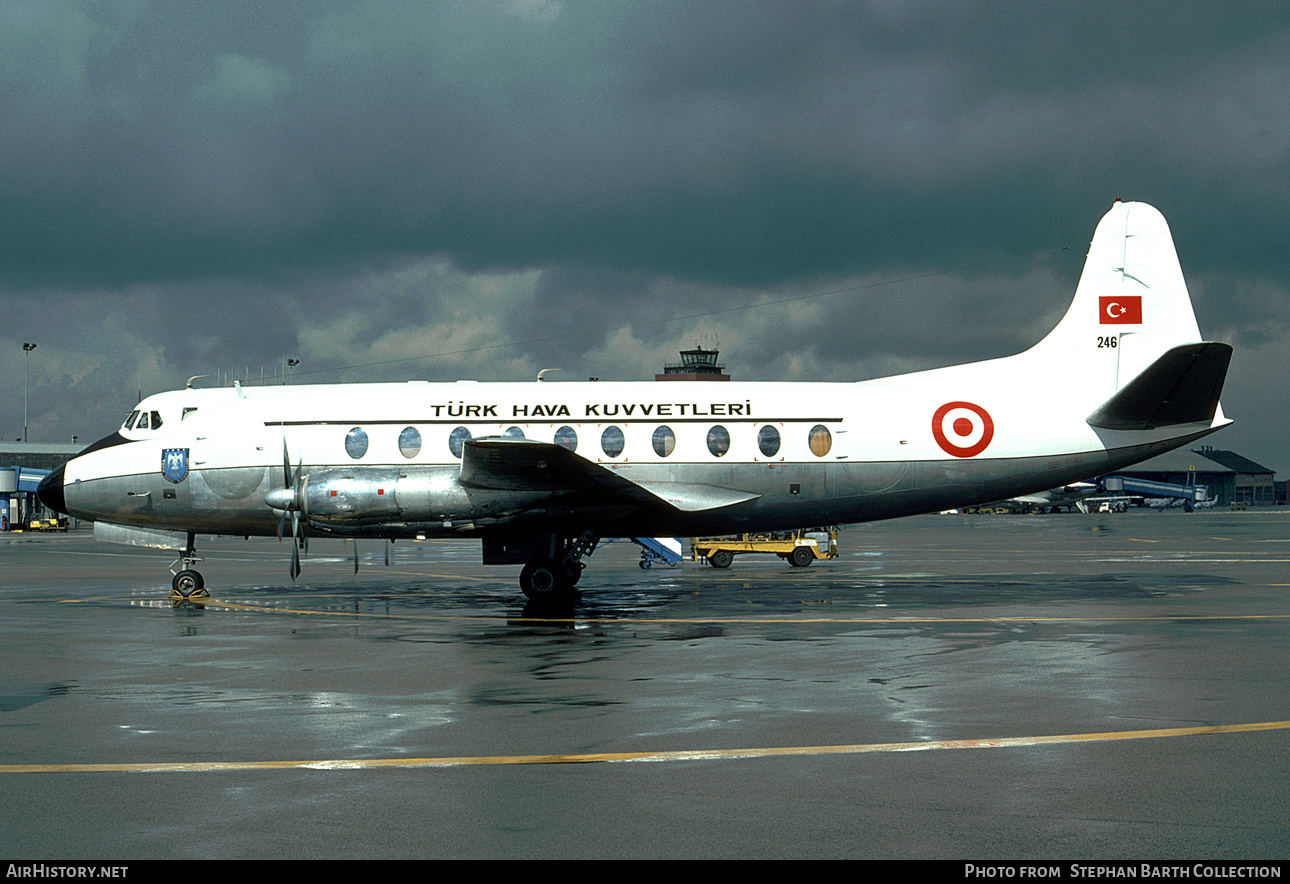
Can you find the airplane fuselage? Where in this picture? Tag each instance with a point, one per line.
(385, 459)
(540, 470)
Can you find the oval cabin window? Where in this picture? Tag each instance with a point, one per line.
(612, 441)
(567, 437)
(664, 441)
(718, 440)
(768, 441)
(356, 442)
(409, 442)
(821, 440)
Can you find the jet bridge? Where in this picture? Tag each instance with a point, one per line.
(1192, 494)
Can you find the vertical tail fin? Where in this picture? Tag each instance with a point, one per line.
(1130, 308)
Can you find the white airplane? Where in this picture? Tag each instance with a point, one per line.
(541, 471)
(1057, 499)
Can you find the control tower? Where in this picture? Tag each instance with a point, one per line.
(699, 364)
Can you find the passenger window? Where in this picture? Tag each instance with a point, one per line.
(612, 441)
(664, 441)
(409, 442)
(567, 437)
(768, 441)
(718, 441)
(356, 442)
(821, 440)
(457, 440)
(514, 433)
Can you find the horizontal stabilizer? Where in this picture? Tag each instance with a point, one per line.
(502, 463)
(1181, 387)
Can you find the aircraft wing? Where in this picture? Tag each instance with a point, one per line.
(502, 463)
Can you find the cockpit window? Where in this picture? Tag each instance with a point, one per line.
(129, 421)
(143, 422)
(156, 420)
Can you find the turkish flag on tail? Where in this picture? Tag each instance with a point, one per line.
(1124, 310)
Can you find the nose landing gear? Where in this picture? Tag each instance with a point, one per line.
(187, 583)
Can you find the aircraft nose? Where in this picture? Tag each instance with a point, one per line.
(50, 491)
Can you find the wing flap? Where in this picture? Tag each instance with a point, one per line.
(691, 497)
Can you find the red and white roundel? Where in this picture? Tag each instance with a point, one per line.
(962, 429)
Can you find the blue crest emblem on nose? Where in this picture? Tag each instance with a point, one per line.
(174, 464)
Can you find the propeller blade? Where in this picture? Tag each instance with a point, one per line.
(286, 462)
(287, 484)
(355, 556)
(295, 545)
(291, 482)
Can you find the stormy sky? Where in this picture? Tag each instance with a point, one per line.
(482, 189)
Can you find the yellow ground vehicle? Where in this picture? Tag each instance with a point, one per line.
(799, 548)
(47, 525)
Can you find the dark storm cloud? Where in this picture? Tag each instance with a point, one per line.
(718, 140)
(364, 183)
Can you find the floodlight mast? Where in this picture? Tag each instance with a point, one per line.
(26, 386)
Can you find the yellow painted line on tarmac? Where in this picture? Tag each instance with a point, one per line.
(603, 757)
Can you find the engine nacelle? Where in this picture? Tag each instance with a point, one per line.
(373, 496)
(351, 496)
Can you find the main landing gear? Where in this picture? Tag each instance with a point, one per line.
(554, 577)
(187, 583)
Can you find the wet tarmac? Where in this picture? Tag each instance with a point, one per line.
(1069, 686)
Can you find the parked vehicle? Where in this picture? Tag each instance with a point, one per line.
(799, 548)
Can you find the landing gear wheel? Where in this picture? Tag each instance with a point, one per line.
(549, 577)
(801, 556)
(720, 558)
(543, 580)
(188, 584)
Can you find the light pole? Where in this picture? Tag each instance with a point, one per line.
(26, 348)
(291, 366)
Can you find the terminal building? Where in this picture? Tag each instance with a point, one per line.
(22, 466)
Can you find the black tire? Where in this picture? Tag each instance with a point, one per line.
(187, 582)
(720, 558)
(801, 556)
(544, 580)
